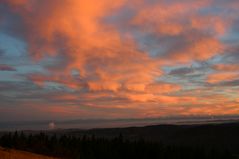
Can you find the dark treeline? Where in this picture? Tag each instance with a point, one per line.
(91, 147)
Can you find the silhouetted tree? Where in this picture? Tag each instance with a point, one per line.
(92, 147)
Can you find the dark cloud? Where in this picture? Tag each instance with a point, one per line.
(4, 67)
(230, 83)
(233, 57)
(181, 71)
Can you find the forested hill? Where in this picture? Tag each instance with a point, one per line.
(223, 133)
(210, 141)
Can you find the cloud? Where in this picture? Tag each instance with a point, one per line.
(104, 85)
(173, 18)
(196, 47)
(4, 67)
(178, 31)
(226, 67)
(183, 19)
(237, 100)
(41, 79)
(181, 71)
(110, 55)
(226, 75)
(222, 77)
(101, 53)
(160, 88)
(162, 99)
(63, 97)
(89, 45)
(229, 83)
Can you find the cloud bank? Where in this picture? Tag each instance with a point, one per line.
(121, 58)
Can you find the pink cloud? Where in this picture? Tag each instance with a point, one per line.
(197, 34)
(113, 70)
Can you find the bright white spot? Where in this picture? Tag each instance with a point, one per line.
(51, 125)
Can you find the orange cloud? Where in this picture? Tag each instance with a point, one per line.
(237, 100)
(215, 24)
(159, 88)
(214, 109)
(141, 97)
(226, 67)
(164, 18)
(155, 88)
(103, 85)
(222, 77)
(108, 68)
(193, 46)
(169, 18)
(98, 51)
(136, 87)
(197, 34)
(87, 44)
(161, 99)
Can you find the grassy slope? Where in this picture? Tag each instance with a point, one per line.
(15, 154)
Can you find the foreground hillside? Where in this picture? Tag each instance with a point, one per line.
(209, 141)
(16, 154)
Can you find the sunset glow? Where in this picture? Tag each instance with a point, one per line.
(70, 59)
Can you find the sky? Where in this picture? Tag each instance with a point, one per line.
(78, 59)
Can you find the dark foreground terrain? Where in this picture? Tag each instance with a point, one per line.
(211, 141)
(16, 154)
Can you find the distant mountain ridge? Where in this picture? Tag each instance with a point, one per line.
(111, 123)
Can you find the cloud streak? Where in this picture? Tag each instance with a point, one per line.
(4, 67)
